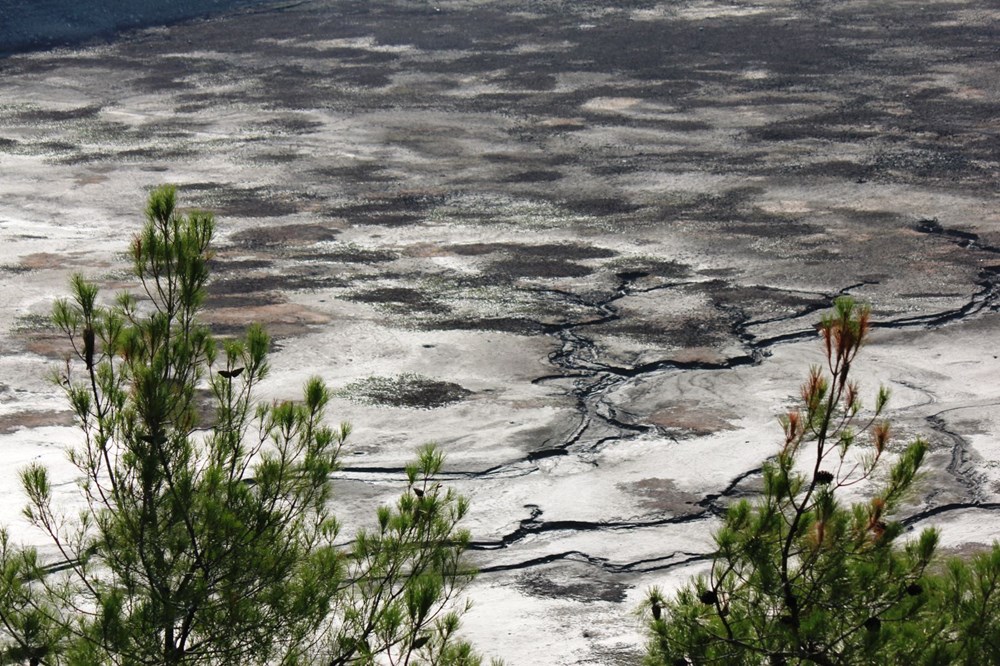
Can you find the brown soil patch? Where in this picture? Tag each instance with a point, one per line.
(281, 320)
(692, 417)
(34, 419)
(48, 345)
(662, 496)
(46, 260)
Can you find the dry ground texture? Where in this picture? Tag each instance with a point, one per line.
(579, 244)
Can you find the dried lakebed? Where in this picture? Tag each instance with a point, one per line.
(581, 245)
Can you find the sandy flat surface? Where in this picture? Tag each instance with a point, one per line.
(584, 242)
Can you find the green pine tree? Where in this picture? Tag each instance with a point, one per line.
(205, 534)
(801, 577)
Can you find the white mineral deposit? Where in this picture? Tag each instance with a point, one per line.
(581, 245)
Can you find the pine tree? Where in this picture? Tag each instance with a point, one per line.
(205, 534)
(800, 577)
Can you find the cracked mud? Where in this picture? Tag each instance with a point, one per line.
(581, 245)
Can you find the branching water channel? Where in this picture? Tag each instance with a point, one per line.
(579, 359)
